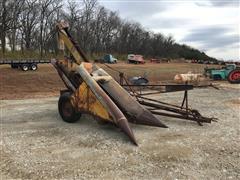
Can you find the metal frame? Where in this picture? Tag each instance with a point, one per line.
(95, 92)
(162, 108)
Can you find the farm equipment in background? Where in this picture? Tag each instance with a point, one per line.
(162, 60)
(108, 58)
(143, 96)
(138, 80)
(135, 59)
(234, 76)
(229, 72)
(92, 90)
(195, 79)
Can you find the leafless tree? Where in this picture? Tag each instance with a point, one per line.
(30, 24)
(14, 24)
(47, 10)
(5, 21)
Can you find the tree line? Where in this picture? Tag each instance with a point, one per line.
(29, 25)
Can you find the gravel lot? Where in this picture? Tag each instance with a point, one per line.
(37, 144)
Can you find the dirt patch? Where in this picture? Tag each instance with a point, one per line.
(16, 84)
(234, 102)
(45, 82)
(227, 85)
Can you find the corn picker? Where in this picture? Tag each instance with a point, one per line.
(92, 90)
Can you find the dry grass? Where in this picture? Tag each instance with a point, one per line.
(16, 84)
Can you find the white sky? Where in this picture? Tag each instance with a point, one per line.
(212, 26)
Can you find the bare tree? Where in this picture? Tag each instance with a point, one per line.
(73, 15)
(30, 24)
(5, 21)
(47, 10)
(29, 19)
(17, 7)
(89, 7)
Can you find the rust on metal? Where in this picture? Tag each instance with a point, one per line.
(166, 109)
(129, 106)
(94, 91)
(117, 116)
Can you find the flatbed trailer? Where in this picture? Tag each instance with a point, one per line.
(24, 64)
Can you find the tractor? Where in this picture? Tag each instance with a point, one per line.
(229, 72)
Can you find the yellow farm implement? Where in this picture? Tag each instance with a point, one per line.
(92, 90)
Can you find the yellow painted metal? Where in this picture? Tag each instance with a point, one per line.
(84, 100)
(68, 65)
(82, 80)
(64, 38)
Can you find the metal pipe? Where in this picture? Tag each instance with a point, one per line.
(118, 117)
(179, 111)
(160, 102)
(202, 119)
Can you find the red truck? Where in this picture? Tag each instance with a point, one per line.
(135, 59)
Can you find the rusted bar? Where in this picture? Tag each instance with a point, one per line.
(186, 93)
(121, 78)
(167, 88)
(191, 118)
(63, 76)
(160, 102)
(171, 109)
(189, 114)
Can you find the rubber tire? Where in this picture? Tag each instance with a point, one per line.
(24, 67)
(33, 67)
(74, 115)
(229, 77)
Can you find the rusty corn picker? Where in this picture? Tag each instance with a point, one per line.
(92, 90)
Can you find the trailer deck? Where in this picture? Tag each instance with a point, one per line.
(24, 64)
(20, 61)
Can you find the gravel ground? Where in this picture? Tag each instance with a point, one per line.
(37, 144)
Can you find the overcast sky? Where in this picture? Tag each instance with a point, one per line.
(212, 26)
